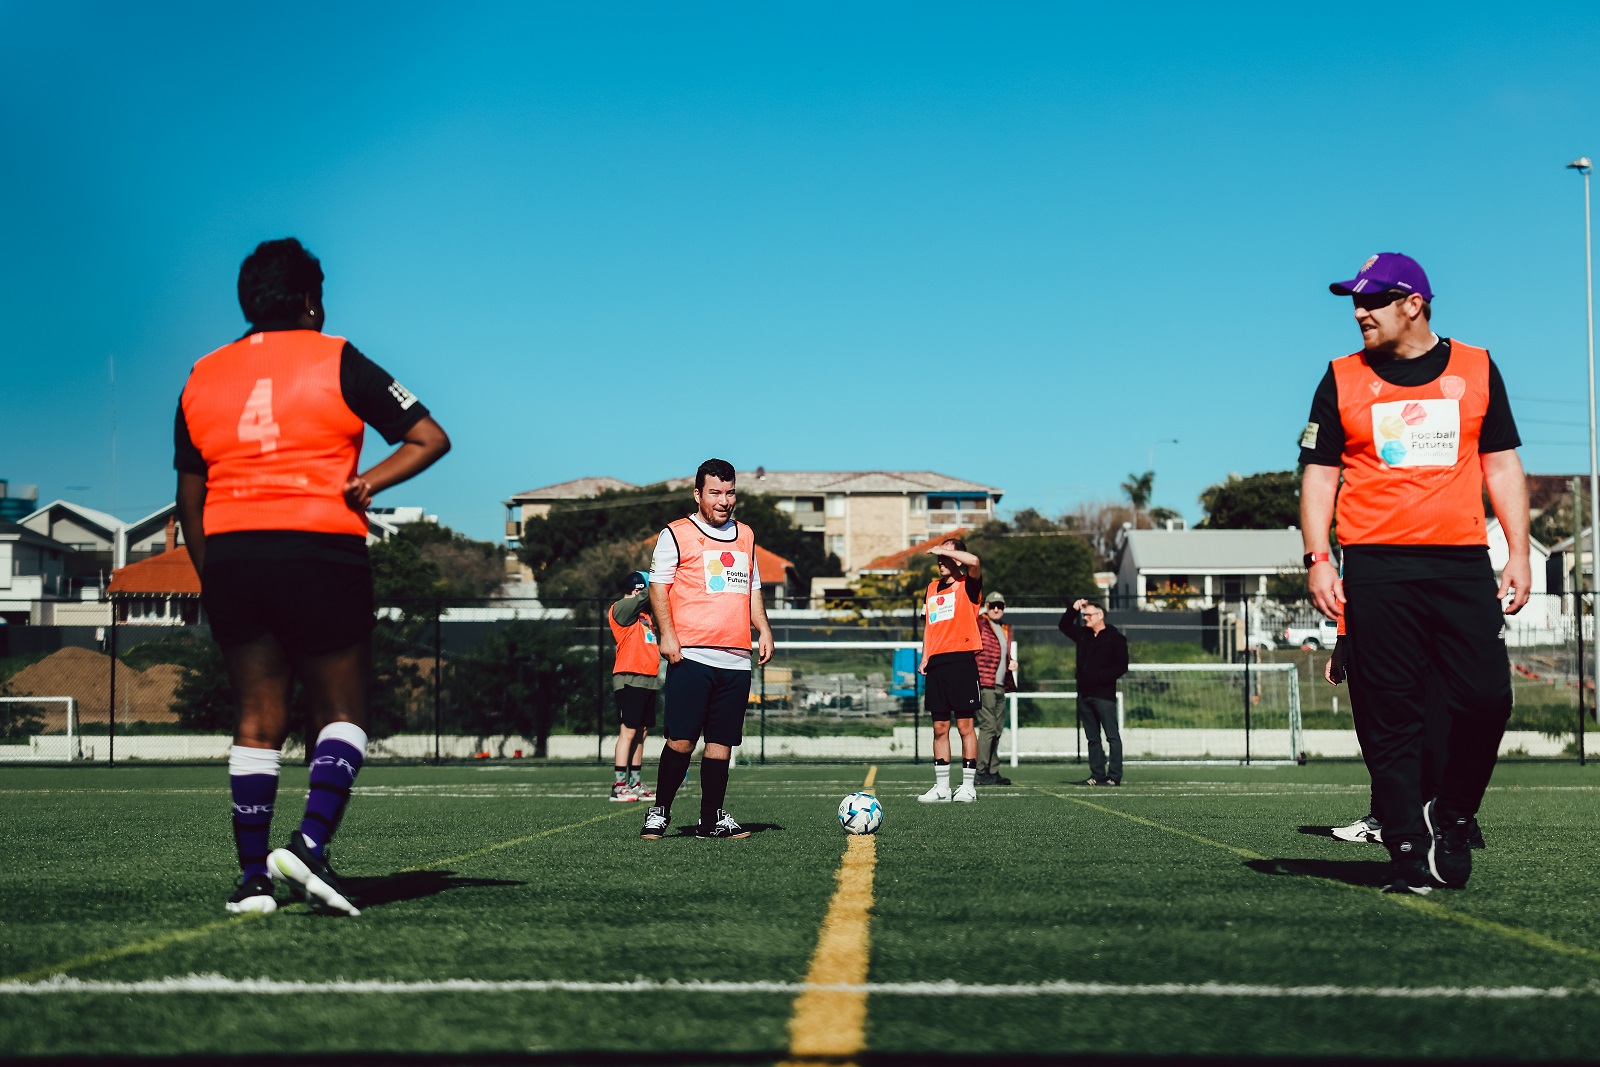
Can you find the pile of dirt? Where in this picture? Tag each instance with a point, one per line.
(84, 674)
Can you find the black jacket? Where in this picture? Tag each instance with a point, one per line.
(1102, 657)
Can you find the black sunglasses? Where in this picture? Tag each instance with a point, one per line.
(1375, 301)
(997, 607)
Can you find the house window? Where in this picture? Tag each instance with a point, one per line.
(836, 505)
(836, 544)
(919, 503)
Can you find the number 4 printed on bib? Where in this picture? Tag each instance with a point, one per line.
(255, 422)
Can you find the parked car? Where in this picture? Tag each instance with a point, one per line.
(1320, 634)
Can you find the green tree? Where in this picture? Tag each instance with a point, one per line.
(1056, 567)
(1266, 501)
(529, 678)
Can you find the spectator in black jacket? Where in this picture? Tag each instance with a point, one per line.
(1102, 660)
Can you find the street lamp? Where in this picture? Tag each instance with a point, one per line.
(1583, 166)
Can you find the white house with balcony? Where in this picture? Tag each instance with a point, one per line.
(32, 571)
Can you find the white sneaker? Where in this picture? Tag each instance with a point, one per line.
(967, 794)
(1365, 829)
(935, 795)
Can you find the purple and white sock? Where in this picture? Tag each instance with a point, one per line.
(341, 747)
(253, 781)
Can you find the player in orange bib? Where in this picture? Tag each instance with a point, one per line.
(950, 646)
(267, 443)
(635, 677)
(1417, 428)
(705, 597)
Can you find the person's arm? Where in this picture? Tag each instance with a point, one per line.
(758, 619)
(661, 611)
(424, 443)
(1119, 651)
(663, 569)
(627, 610)
(1319, 489)
(191, 513)
(1069, 623)
(1508, 495)
(973, 564)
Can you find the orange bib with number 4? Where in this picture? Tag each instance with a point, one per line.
(267, 415)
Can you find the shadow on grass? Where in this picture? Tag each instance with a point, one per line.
(1369, 873)
(692, 830)
(1317, 831)
(410, 885)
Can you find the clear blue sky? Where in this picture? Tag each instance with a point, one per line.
(1015, 244)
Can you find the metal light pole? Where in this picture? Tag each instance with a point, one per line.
(1583, 166)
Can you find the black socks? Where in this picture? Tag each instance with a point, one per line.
(713, 788)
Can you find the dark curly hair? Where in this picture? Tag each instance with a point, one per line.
(720, 469)
(276, 279)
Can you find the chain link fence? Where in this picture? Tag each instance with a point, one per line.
(507, 680)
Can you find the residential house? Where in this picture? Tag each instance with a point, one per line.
(32, 570)
(1219, 565)
(161, 589)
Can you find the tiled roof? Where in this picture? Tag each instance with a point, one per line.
(577, 489)
(169, 573)
(899, 561)
(790, 482)
(18, 532)
(773, 568)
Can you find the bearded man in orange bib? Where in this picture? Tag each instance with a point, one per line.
(705, 596)
(1419, 427)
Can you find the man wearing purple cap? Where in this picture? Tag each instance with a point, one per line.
(1417, 426)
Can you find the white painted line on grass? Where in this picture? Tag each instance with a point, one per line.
(61, 985)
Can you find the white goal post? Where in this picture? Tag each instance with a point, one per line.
(45, 746)
(1188, 712)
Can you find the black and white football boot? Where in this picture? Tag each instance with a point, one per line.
(656, 821)
(252, 894)
(724, 826)
(309, 876)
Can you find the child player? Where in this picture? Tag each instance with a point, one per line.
(950, 645)
(635, 677)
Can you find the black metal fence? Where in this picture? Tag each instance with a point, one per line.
(508, 680)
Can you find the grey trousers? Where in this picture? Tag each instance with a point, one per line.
(1097, 714)
(991, 720)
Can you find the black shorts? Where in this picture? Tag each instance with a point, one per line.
(636, 705)
(707, 701)
(311, 606)
(952, 690)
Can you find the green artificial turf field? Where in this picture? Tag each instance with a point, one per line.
(1184, 913)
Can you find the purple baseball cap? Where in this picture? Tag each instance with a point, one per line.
(1386, 270)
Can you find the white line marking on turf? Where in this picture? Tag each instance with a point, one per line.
(219, 984)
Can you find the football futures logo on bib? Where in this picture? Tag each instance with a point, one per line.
(727, 571)
(1417, 433)
(941, 608)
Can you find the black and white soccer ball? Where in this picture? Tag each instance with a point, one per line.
(860, 813)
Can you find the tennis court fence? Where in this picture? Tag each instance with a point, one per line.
(509, 680)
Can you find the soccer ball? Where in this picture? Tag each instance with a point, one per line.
(860, 813)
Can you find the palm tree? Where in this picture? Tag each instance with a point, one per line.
(1139, 488)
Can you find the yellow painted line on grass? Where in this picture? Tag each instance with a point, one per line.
(178, 937)
(1421, 905)
(830, 1023)
(872, 776)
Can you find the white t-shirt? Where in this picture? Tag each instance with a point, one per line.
(664, 568)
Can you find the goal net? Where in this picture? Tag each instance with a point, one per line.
(40, 728)
(1226, 712)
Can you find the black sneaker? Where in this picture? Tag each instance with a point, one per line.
(656, 821)
(310, 877)
(1001, 779)
(1408, 874)
(724, 826)
(988, 779)
(1475, 835)
(252, 894)
(1449, 853)
(1112, 781)
(1090, 781)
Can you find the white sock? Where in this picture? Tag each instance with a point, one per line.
(969, 776)
(941, 776)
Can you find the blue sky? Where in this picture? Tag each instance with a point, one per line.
(1017, 244)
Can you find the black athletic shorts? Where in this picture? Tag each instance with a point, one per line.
(311, 606)
(706, 700)
(952, 690)
(636, 705)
